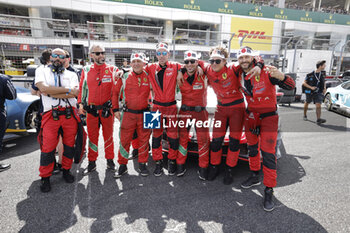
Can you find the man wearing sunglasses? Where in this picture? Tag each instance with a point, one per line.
(135, 86)
(261, 123)
(58, 88)
(163, 75)
(230, 110)
(193, 107)
(95, 98)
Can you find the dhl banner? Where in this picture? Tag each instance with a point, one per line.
(258, 28)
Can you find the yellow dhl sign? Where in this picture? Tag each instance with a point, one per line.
(258, 31)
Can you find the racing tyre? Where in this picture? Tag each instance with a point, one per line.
(31, 115)
(328, 102)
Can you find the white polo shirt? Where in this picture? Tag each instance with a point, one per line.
(68, 78)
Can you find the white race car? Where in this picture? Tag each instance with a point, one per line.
(338, 98)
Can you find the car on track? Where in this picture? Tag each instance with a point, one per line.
(21, 112)
(338, 98)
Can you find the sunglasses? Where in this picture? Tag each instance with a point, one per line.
(188, 61)
(98, 53)
(217, 61)
(60, 56)
(164, 53)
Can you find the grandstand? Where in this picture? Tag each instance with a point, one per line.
(123, 27)
(327, 6)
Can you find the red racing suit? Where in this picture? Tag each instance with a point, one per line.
(96, 84)
(262, 114)
(163, 81)
(48, 139)
(194, 101)
(230, 111)
(134, 89)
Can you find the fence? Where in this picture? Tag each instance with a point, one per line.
(22, 40)
(198, 40)
(121, 39)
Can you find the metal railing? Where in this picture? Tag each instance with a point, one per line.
(200, 40)
(22, 40)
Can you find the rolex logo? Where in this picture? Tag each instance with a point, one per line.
(281, 12)
(307, 14)
(192, 2)
(226, 5)
(330, 16)
(256, 8)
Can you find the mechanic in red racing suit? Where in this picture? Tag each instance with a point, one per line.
(261, 123)
(58, 88)
(193, 109)
(134, 87)
(163, 77)
(96, 85)
(230, 110)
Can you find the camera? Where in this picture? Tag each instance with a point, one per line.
(55, 115)
(68, 113)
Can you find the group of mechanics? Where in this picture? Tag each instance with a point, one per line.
(246, 97)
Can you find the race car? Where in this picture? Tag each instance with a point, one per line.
(22, 111)
(338, 98)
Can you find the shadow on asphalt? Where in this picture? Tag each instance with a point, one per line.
(19, 146)
(165, 203)
(339, 128)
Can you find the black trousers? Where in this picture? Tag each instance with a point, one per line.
(2, 127)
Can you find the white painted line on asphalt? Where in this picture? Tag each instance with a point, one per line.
(237, 190)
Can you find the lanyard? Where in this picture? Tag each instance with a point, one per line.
(318, 78)
(55, 76)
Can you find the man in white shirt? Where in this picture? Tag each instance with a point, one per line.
(59, 87)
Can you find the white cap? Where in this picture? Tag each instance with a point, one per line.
(162, 45)
(189, 55)
(245, 51)
(217, 54)
(138, 56)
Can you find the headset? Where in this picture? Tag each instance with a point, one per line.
(58, 70)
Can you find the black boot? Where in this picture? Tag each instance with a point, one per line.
(228, 177)
(158, 171)
(203, 173)
(90, 168)
(213, 172)
(181, 170)
(143, 169)
(134, 154)
(123, 169)
(269, 205)
(171, 167)
(110, 164)
(67, 176)
(45, 184)
(56, 169)
(253, 180)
